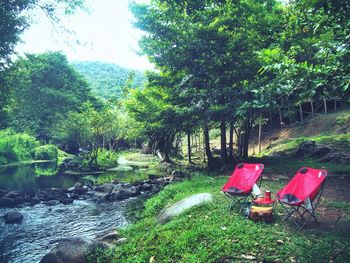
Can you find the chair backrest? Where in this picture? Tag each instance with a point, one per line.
(305, 184)
(244, 176)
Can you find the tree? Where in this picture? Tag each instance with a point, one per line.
(309, 60)
(88, 131)
(16, 16)
(45, 88)
(215, 44)
(155, 115)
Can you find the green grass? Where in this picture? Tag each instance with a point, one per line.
(339, 142)
(212, 233)
(288, 166)
(342, 206)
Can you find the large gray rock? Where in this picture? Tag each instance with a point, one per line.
(70, 250)
(13, 217)
(104, 188)
(107, 239)
(305, 148)
(3, 192)
(320, 151)
(7, 202)
(184, 204)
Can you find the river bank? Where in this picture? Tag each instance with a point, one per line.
(86, 210)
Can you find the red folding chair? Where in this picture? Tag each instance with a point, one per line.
(302, 195)
(240, 185)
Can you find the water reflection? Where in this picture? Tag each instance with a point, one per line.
(33, 176)
(46, 169)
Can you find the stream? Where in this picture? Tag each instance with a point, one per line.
(44, 226)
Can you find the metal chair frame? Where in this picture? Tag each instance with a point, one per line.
(240, 199)
(304, 213)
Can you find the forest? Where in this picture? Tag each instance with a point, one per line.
(219, 65)
(233, 81)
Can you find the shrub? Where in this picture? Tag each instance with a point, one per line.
(106, 158)
(46, 152)
(16, 146)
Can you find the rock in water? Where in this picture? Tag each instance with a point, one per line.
(70, 250)
(184, 204)
(13, 217)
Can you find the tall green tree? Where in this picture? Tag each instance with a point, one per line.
(214, 43)
(15, 17)
(155, 115)
(45, 88)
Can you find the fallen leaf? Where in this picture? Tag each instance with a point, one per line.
(224, 228)
(292, 259)
(279, 242)
(152, 259)
(235, 240)
(248, 257)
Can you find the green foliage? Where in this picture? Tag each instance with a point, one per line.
(46, 152)
(17, 15)
(343, 122)
(16, 146)
(343, 206)
(45, 89)
(154, 114)
(90, 133)
(45, 169)
(211, 233)
(88, 129)
(108, 81)
(340, 142)
(106, 158)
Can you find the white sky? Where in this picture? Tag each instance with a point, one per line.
(106, 32)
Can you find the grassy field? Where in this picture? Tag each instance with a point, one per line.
(212, 233)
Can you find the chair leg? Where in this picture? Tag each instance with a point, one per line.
(236, 201)
(305, 216)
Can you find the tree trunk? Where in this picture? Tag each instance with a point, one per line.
(230, 153)
(167, 146)
(189, 147)
(211, 161)
(325, 105)
(223, 152)
(239, 142)
(312, 109)
(281, 118)
(247, 128)
(301, 113)
(259, 138)
(199, 142)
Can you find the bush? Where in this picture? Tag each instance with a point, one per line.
(16, 146)
(46, 152)
(106, 158)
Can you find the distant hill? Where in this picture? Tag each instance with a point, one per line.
(106, 79)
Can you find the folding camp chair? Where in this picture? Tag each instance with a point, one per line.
(244, 178)
(302, 195)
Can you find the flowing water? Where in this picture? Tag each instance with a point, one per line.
(43, 226)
